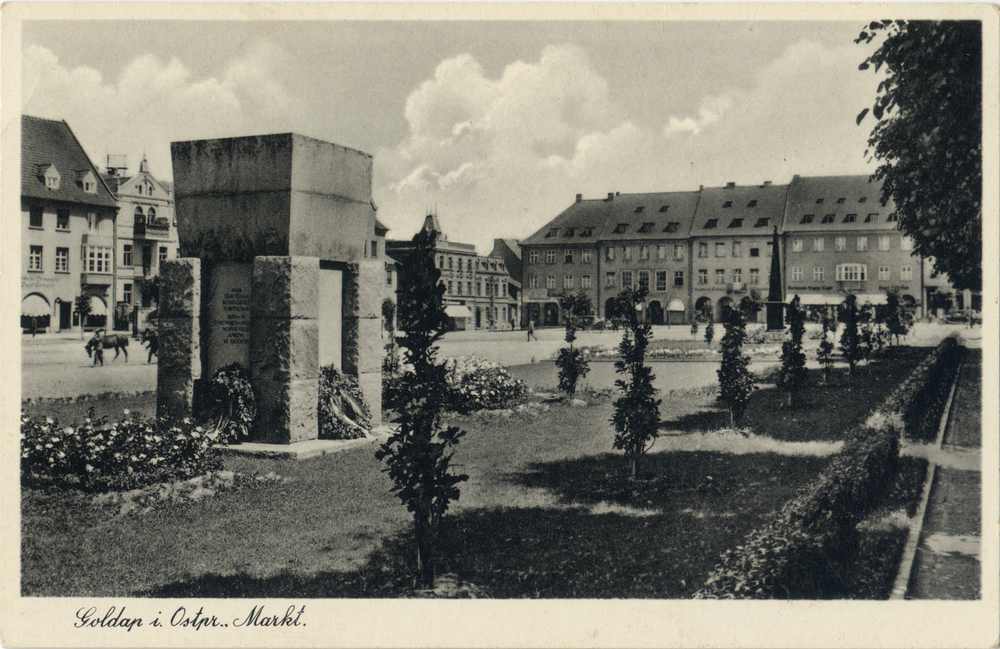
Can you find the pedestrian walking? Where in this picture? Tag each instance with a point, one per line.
(531, 331)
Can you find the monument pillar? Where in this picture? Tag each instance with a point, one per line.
(284, 348)
(179, 332)
(362, 343)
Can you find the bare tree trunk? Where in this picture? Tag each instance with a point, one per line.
(425, 571)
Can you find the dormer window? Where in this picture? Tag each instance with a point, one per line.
(646, 228)
(806, 219)
(621, 229)
(727, 204)
(752, 203)
(819, 201)
(863, 199)
(762, 223)
(87, 181)
(736, 223)
(827, 219)
(892, 218)
(587, 232)
(569, 232)
(664, 208)
(639, 209)
(672, 227)
(871, 218)
(850, 218)
(840, 200)
(711, 224)
(553, 232)
(52, 177)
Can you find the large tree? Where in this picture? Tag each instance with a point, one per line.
(929, 137)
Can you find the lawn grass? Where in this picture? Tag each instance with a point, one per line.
(821, 412)
(548, 511)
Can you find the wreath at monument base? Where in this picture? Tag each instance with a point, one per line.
(341, 411)
(233, 407)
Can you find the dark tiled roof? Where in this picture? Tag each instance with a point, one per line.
(739, 210)
(841, 196)
(48, 142)
(509, 250)
(622, 217)
(380, 228)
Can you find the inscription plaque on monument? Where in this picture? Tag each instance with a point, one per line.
(229, 316)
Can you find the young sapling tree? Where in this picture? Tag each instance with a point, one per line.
(850, 339)
(572, 363)
(709, 325)
(637, 412)
(418, 455)
(792, 375)
(824, 354)
(736, 381)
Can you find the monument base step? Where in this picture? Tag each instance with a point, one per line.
(307, 449)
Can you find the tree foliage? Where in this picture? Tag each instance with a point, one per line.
(637, 411)
(710, 325)
(898, 316)
(850, 339)
(571, 362)
(824, 353)
(792, 375)
(928, 137)
(418, 455)
(736, 381)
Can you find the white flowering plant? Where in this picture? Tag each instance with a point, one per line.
(477, 384)
(98, 456)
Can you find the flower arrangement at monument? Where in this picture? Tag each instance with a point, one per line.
(477, 384)
(341, 411)
(232, 403)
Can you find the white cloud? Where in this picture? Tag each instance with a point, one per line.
(153, 102)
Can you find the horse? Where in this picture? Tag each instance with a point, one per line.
(96, 347)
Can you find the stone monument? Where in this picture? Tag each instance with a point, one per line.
(775, 303)
(273, 274)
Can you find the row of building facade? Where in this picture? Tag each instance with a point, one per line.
(87, 235)
(103, 235)
(711, 247)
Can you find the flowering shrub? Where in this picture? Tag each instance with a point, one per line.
(805, 550)
(125, 455)
(607, 352)
(341, 411)
(477, 384)
(232, 403)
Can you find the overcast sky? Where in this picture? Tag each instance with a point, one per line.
(496, 125)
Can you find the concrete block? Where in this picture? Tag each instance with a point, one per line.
(180, 288)
(174, 395)
(180, 346)
(365, 289)
(284, 348)
(286, 411)
(286, 287)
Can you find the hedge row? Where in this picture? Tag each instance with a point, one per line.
(129, 454)
(807, 550)
(921, 398)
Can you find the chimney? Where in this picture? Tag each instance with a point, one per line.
(611, 196)
(730, 185)
(701, 188)
(618, 193)
(766, 183)
(579, 198)
(795, 177)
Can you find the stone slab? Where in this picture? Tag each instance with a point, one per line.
(180, 346)
(371, 387)
(227, 299)
(308, 449)
(282, 348)
(174, 396)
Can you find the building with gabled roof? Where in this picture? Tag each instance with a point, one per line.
(599, 246)
(68, 230)
(840, 239)
(731, 241)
